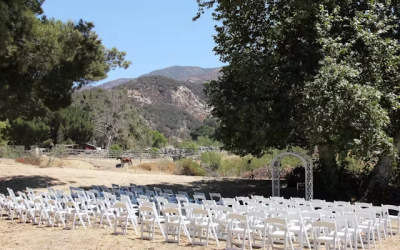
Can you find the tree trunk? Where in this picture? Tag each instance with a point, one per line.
(380, 175)
(329, 170)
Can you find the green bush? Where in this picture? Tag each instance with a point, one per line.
(191, 168)
(69, 142)
(211, 160)
(154, 152)
(115, 151)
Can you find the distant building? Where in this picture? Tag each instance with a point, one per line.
(88, 146)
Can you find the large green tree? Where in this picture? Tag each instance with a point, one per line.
(114, 117)
(308, 73)
(42, 61)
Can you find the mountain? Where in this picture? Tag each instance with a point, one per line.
(202, 78)
(110, 84)
(170, 106)
(187, 73)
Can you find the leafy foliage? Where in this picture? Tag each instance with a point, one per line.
(190, 167)
(158, 139)
(202, 130)
(211, 160)
(114, 117)
(44, 60)
(307, 73)
(4, 126)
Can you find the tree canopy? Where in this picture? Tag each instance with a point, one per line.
(42, 60)
(307, 73)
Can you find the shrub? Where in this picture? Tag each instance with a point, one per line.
(30, 160)
(261, 173)
(190, 167)
(211, 159)
(145, 166)
(154, 152)
(115, 151)
(69, 142)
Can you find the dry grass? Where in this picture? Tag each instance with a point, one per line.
(161, 166)
(14, 235)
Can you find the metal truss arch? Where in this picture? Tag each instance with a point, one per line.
(276, 172)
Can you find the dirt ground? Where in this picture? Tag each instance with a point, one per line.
(14, 235)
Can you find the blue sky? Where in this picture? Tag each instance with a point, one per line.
(155, 33)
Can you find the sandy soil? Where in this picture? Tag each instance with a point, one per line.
(14, 235)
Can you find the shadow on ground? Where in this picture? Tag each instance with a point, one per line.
(227, 187)
(20, 182)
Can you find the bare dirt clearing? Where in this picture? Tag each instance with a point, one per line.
(14, 235)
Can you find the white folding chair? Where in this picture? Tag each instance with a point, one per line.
(124, 216)
(174, 224)
(298, 228)
(325, 233)
(353, 229)
(101, 212)
(238, 227)
(257, 224)
(220, 217)
(149, 221)
(57, 213)
(202, 223)
(278, 229)
(74, 213)
(367, 225)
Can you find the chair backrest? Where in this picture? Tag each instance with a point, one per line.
(325, 213)
(172, 205)
(148, 204)
(310, 216)
(393, 208)
(183, 200)
(277, 222)
(148, 213)
(341, 203)
(351, 220)
(243, 199)
(150, 193)
(297, 199)
(169, 191)
(171, 213)
(291, 204)
(363, 204)
(238, 220)
(199, 198)
(305, 208)
(263, 209)
(207, 203)
(143, 197)
(215, 196)
(141, 201)
(253, 204)
(278, 206)
(229, 202)
(256, 218)
(277, 213)
(157, 190)
(184, 193)
(319, 226)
